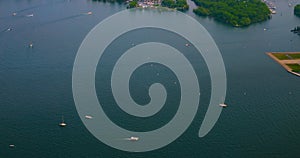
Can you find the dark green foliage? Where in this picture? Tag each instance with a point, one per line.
(132, 4)
(178, 4)
(110, 1)
(234, 12)
(297, 10)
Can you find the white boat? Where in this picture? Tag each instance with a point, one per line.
(223, 105)
(89, 13)
(29, 15)
(88, 117)
(134, 138)
(14, 14)
(30, 45)
(11, 145)
(62, 123)
(273, 11)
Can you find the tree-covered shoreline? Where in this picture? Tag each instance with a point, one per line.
(177, 4)
(234, 12)
(297, 10)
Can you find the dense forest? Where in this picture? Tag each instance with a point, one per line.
(234, 12)
(297, 10)
(178, 4)
(110, 1)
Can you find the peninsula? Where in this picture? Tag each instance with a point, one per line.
(233, 12)
(288, 60)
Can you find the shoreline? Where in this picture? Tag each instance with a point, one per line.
(284, 62)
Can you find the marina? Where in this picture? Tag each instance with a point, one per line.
(271, 6)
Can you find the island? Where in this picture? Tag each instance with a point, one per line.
(237, 13)
(297, 10)
(288, 60)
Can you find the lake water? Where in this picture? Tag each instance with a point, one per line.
(262, 119)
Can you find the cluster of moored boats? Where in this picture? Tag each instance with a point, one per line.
(271, 6)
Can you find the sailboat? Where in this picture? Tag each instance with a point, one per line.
(62, 123)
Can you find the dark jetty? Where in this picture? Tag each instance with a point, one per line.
(296, 30)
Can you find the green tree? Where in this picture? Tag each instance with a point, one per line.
(178, 4)
(132, 4)
(297, 10)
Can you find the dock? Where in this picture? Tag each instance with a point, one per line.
(290, 61)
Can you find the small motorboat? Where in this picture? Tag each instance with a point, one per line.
(88, 117)
(12, 146)
(30, 45)
(89, 13)
(14, 14)
(223, 105)
(134, 138)
(9, 29)
(29, 15)
(62, 124)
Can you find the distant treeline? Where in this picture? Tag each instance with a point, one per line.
(297, 10)
(178, 4)
(110, 1)
(234, 12)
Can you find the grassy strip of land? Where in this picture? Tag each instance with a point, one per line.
(295, 56)
(294, 67)
(281, 56)
(287, 56)
(234, 12)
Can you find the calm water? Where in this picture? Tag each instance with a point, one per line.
(35, 86)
